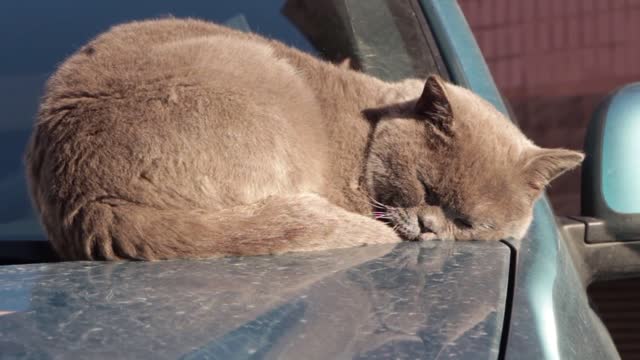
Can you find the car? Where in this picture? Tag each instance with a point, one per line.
(511, 299)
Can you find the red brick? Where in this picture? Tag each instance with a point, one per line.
(626, 61)
(504, 68)
(551, 9)
(516, 73)
(494, 41)
(589, 31)
(580, 65)
(604, 6)
(548, 67)
(603, 61)
(512, 74)
(633, 21)
(514, 12)
(553, 68)
(563, 63)
(619, 19)
(515, 40)
(559, 68)
(574, 68)
(541, 70)
(527, 72)
(503, 41)
(559, 8)
(486, 13)
(545, 74)
(618, 4)
(603, 25)
(619, 61)
(477, 14)
(632, 57)
(491, 44)
(590, 64)
(573, 6)
(490, 48)
(529, 38)
(505, 73)
(588, 6)
(543, 41)
(528, 11)
(558, 35)
(534, 69)
(574, 32)
(497, 71)
(542, 10)
(499, 11)
(635, 67)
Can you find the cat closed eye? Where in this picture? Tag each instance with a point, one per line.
(463, 223)
(430, 196)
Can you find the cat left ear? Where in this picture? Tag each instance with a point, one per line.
(433, 103)
(544, 165)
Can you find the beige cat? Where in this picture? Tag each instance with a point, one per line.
(181, 138)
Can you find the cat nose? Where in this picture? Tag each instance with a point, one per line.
(426, 224)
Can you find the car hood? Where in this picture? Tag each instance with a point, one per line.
(413, 300)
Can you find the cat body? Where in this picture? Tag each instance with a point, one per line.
(180, 138)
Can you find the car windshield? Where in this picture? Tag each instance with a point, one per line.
(382, 37)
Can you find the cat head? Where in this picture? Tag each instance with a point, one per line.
(448, 165)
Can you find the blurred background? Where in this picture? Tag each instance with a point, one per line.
(555, 61)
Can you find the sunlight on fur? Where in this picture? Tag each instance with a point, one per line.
(180, 138)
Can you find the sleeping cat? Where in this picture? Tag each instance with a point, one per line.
(181, 138)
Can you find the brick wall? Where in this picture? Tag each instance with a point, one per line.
(555, 60)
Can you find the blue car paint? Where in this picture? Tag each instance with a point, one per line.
(414, 300)
(550, 313)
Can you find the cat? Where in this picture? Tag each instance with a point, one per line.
(179, 138)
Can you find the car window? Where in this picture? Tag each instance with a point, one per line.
(382, 37)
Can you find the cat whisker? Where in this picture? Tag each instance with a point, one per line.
(383, 218)
(380, 215)
(377, 204)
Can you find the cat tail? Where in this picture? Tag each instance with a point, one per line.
(112, 230)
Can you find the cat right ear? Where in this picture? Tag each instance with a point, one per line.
(544, 165)
(433, 104)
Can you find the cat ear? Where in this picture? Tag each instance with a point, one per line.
(433, 103)
(544, 165)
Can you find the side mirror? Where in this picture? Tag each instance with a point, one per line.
(611, 170)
